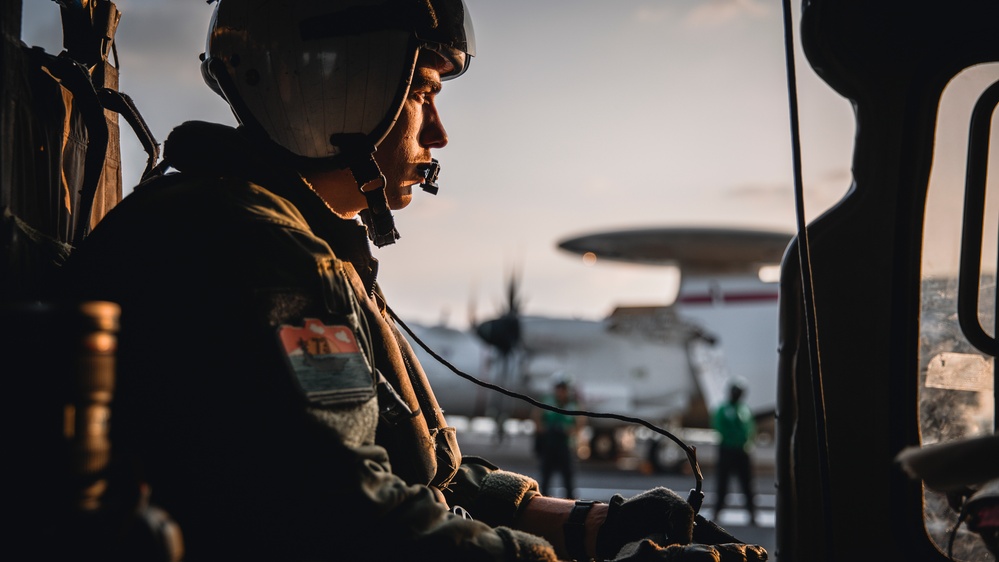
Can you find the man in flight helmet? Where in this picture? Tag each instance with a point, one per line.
(263, 392)
(324, 83)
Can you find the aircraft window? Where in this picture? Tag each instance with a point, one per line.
(957, 380)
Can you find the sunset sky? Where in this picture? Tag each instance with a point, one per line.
(575, 116)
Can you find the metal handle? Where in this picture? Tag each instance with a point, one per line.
(974, 219)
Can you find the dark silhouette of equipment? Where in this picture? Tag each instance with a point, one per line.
(966, 471)
(75, 497)
(72, 495)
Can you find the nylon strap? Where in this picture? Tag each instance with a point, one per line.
(574, 530)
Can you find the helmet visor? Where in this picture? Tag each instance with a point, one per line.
(445, 26)
(453, 33)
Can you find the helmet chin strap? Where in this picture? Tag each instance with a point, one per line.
(371, 182)
(377, 217)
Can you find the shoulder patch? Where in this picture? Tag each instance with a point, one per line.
(328, 363)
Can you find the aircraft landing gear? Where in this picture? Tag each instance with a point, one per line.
(604, 445)
(666, 457)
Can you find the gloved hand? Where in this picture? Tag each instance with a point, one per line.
(658, 525)
(647, 550)
(659, 512)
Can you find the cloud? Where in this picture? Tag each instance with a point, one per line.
(826, 186)
(719, 12)
(158, 34)
(147, 27)
(759, 191)
(600, 186)
(822, 191)
(655, 13)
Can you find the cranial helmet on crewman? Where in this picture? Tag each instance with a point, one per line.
(325, 80)
(737, 388)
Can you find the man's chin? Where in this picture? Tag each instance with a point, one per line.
(401, 198)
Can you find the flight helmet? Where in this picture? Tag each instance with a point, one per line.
(325, 80)
(737, 388)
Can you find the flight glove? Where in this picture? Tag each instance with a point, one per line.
(647, 550)
(658, 524)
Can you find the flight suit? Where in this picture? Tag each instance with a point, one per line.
(262, 392)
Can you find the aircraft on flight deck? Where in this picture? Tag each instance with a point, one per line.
(666, 363)
(887, 317)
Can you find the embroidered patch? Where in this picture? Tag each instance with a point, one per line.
(328, 363)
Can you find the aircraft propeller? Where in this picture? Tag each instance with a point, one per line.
(503, 332)
(504, 335)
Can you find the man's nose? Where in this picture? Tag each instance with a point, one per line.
(432, 135)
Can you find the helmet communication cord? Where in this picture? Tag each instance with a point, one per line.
(696, 496)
